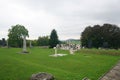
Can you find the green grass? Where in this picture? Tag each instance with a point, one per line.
(85, 63)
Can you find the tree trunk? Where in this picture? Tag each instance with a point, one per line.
(24, 44)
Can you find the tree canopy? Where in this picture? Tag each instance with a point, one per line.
(106, 36)
(43, 41)
(53, 41)
(15, 35)
(3, 42)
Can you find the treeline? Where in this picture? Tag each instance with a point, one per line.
(105, 36)
(15, 38)
(50, 41)
(97, 36)
(41, 41)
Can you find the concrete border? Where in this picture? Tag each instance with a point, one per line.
(113, 73)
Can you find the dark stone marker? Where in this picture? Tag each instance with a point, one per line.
(42, 76)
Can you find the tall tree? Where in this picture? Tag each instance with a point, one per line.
(53, 39)
(85, 37)
(14, 39)
(107, 36)
(16, 34)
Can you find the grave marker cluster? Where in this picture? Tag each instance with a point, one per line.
(71, 47)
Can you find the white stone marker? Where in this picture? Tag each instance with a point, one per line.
(71, 51)
(55, 50)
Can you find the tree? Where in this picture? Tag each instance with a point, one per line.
(43, 41)
(31, 43)
(4, 42)
(16, 34)
(85, 37)
(106, 36)
(0, 42)
(53, 39)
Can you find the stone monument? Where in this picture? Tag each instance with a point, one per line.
(56, 54)
(42, 76)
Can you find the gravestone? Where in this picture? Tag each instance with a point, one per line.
(30, 44)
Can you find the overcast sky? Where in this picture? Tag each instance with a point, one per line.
(68, 17)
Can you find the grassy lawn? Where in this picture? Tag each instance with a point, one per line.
(85, 63)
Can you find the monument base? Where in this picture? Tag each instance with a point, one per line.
(56, 55)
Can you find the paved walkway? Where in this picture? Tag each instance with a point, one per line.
(113, 74)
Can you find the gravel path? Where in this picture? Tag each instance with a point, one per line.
(113, 74)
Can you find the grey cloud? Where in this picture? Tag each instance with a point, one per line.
(71, 16)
